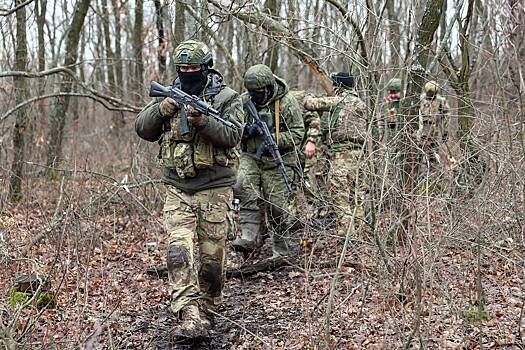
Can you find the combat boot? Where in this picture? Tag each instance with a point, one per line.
(249, 240)
(192, 326)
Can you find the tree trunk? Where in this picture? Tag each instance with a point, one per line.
(410, 107)
(180, 29)
(394, 35)
(109, 51)
(272, 56)
(163, 44)
(21, 94)
(57, 119)
(118, 47)
(138, 41)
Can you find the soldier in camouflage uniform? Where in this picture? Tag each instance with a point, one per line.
(344, 133)
(312, 125)
(259, 179)
(392, 119)
(199, 170)
(434, 119)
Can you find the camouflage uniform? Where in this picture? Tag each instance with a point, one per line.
(312, 125)
(392, 118)
(344, 132)
(199, 170)
(434, 120)
(259, 179)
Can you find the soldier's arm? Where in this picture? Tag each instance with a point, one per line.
(221, 135)
(312, 123)
(149, 122)
(323, 104)
(294, 133)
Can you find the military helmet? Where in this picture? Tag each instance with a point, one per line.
(191, 52)
(394, 84)
(431, 86)
(258, 76)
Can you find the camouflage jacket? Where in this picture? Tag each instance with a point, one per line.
(346, 122)
(312, 120)
(434, 116)
(291, 126)
(208, 156)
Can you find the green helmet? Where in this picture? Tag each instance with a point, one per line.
(258, 76)
(394, 84)
(431, 86)
(191, 52)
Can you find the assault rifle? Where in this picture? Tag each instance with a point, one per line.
(268, 143)
(184, 99)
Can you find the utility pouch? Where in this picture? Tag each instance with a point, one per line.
(203, 155)
(183, 159)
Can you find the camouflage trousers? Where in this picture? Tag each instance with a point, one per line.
(261, 185)
(344, 175)
(201, 220)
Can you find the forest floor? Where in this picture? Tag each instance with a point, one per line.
(95, 242)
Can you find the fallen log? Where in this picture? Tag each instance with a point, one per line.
(267, 265)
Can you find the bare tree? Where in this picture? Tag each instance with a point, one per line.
(22, 92)
(57, 119)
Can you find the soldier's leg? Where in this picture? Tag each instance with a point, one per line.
(180, 223)
(247, 189)
(215, 224)
(340, 189)
(357, 184)
(279, 202)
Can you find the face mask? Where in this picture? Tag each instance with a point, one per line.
(193, 83)
(260, 98)
(431, 95)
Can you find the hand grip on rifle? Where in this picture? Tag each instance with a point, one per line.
(184, 99)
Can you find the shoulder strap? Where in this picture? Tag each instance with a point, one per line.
(277, 116)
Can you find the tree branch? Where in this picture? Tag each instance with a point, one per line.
(360, 38)
(43, 97)
(121, 105)
(276, 29)
(7, 12)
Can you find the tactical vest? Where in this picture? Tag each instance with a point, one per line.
(189, 153)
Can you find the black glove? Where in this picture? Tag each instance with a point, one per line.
(444, 138)
(251, 130)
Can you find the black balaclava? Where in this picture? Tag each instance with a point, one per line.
(343, 79)
(260, 98)
(431, 95)
(193, 83)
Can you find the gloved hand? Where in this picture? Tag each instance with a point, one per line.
(251, 130)
(168, 106)
(444, 138)
(195, 118)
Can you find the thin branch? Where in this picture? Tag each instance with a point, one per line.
(43, 97)
(278, 30)
(360, 38)
(7, 12)
(118, 104)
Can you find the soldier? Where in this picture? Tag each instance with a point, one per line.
(312, 125)
(344, 133)
(199, 170)
(434, 119)
(391, 122)
(259, 179)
